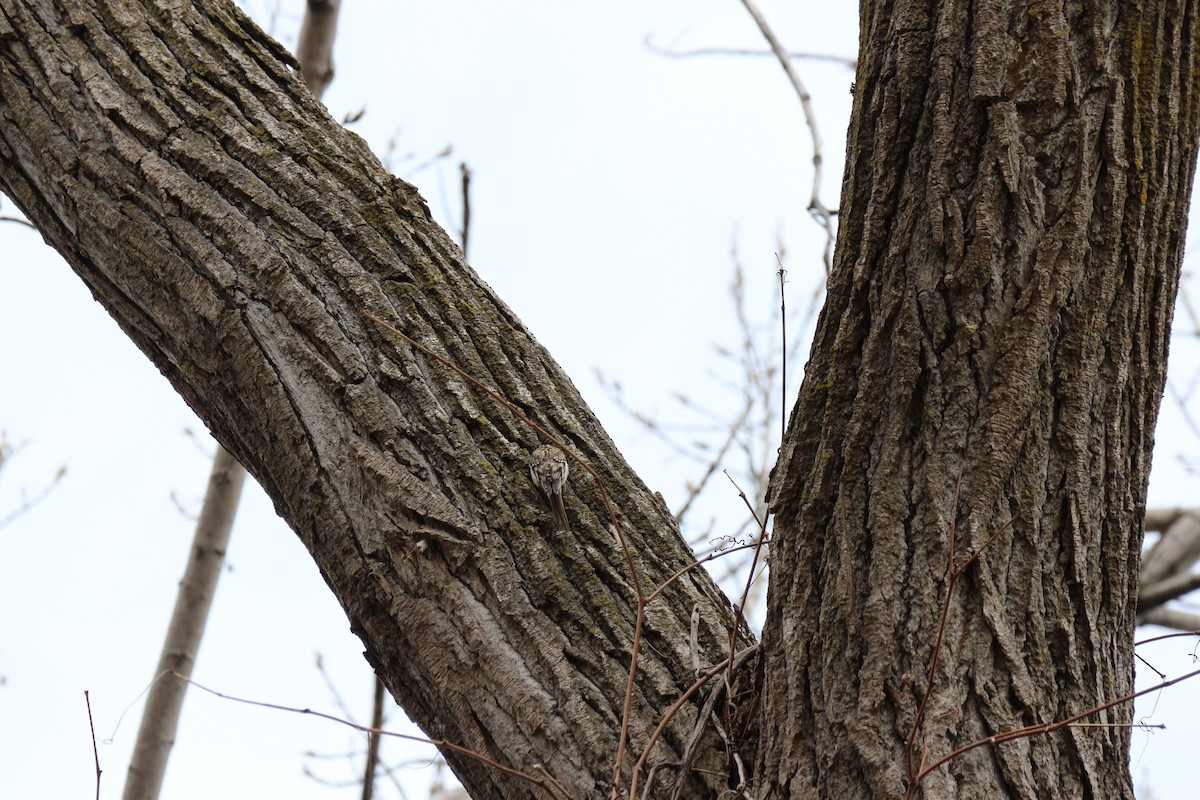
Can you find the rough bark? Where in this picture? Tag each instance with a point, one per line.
(1012, 223)
(160, 718)
(238, 235)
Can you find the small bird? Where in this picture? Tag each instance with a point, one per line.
(548, 468)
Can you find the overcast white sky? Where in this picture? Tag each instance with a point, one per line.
(610, 184)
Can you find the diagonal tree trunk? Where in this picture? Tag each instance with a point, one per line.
(240, 236)
(164, 703)
(1012, 226)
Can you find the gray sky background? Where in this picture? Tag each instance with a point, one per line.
(610, 185)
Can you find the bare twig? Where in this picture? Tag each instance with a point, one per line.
(697, 563)
(1166, 636)
(719, 438)
(19, 221)
(445, 152)
(441, 744)
(700, 52)
(821, 213)
(670, 713)
(1051, 727)
(953, 573)
(752, 434)
(29, 502)
(715, 462)
(95, 752)
(332, 687)
(673, 437)
(465, 230)
(782, 273)
(750, 575)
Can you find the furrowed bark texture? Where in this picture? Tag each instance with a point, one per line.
(164, 701)
(1012, 223)
(238, 235)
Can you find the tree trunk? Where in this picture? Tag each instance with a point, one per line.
(1012, 223)
(164, 702)
(240, 237)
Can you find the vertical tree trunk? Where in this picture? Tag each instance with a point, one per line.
(1011, 231)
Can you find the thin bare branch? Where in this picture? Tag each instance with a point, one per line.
(439, 743)
(95, 753)
(702, 52)
(28, 502)
(716, 670)
(715, 462)
(782, 273)
(1050, 727)
(465, 230)
(822, 213)
(19, 221)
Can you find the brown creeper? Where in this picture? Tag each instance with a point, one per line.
(548, 468)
